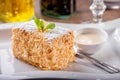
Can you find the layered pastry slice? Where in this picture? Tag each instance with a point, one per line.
(49, 50)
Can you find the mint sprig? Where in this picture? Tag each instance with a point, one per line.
(41, 25)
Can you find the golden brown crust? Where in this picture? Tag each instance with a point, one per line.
(33, 48)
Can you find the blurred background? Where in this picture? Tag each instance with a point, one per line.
(66, 11)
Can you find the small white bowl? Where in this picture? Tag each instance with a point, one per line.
(90, 39)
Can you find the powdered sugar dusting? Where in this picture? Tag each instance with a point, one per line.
(51, 34)
(56, 32)
(28, 27)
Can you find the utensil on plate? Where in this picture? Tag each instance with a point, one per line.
(102, 65)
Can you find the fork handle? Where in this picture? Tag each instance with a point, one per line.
(104, 66)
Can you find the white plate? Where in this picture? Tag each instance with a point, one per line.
(81, 69)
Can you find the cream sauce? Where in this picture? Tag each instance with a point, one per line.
(89, 38)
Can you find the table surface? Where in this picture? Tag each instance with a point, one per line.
(82, 13)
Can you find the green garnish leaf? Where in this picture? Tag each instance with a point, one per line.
(41, 26)
(50, 26)
(39, 23)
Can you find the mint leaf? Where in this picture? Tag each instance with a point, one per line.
(39, 23)
(50, 26)
(41, 26)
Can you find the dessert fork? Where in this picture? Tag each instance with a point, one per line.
(102, 65)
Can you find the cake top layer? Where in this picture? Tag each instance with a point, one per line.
(51, 34)
(57, 31)
(28, 27)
